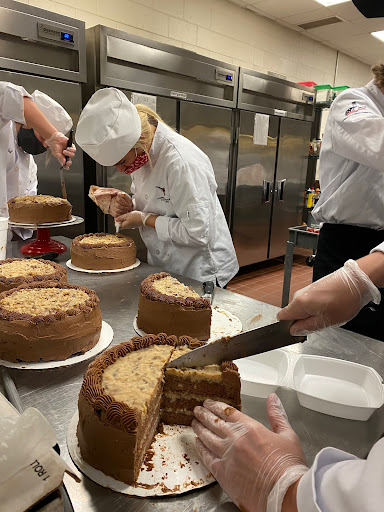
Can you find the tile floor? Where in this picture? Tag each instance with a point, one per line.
(264, 281)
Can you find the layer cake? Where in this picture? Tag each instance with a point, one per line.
(126, 391)
(103, 251)
(48, 321)
(17, 271)
(166, 305)
(39, 209)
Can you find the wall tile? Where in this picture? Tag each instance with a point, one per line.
(171, 7)
(182, 31)
(198, 12)
(91, 20)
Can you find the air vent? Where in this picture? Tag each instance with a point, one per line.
(321, 23)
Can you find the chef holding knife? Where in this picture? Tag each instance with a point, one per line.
(29, 125)
(265, 470)
(174, 204)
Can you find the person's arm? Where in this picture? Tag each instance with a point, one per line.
(357, 129)
(337, 298)
(35, 119)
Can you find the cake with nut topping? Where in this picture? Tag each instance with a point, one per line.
(39, 209)
(166, 305)
(103, 251)
(127, 391)
(48, 321)
(17, 271)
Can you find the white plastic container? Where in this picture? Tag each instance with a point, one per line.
(3, 237)
(262, 374)
(324, 384)
(336, 387)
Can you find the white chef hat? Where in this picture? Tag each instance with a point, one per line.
(109, 126)
(53, 111)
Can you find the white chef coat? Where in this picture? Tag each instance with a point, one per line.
(380, 248)
(351, 160)
(341, 482)
(191, 236)
(18, 171)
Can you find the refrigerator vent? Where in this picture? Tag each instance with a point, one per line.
(320, 23)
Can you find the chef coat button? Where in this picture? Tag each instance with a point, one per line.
(146, 196)
(157, 251)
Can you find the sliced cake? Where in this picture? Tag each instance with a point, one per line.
(166, 305)
(48, 321)
(126, 391)
(39, 209)
(103, 251)
(17, 271)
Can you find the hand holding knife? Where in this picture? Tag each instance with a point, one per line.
(62, 180)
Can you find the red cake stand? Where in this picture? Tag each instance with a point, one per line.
(43, 242)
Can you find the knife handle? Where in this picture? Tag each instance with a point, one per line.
(69, 144)
(208, 287)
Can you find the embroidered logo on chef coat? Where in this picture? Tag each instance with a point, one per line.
(163, 198)
(356, 108)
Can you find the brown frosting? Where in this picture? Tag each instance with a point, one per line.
(7, 283)
(57, 336)
(39, 209)
(151, 293)
(109, 256)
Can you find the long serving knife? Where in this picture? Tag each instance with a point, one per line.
(245, 344)
(62, 180)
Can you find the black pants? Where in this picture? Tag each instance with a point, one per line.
(339, 243)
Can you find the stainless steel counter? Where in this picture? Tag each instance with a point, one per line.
(54, 392)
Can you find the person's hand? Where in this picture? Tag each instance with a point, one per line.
(121, 203)
(58, 146)
(134, 219)
(246, 458)
(330, 302)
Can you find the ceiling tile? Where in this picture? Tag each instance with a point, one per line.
(284, 8)
(347, 11)
(371, 25)
(306, 17)
(336, 30)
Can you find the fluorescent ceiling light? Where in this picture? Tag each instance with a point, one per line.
(379, 35)
(328, 3)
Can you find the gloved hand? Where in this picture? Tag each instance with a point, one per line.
(58, 146)
(120, 203)
(134, 219)
(253, 465)
(332, 301)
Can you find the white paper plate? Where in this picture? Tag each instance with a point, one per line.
(175, 467)
(73, 220)
(223, 324)
(87, 271)
(106, 337)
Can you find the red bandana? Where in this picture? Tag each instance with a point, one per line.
(138, 162)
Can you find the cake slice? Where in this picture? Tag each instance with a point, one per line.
(121, 400)
(17, 271)
(39, 209)
(166, 305)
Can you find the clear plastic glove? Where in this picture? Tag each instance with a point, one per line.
(58, 146)
(246, 458)
(332, 301)
(134, 219)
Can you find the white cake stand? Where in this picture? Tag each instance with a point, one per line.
(43, 242)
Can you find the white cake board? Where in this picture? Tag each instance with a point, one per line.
(75, 219)
(223, 324)
(106, 337)
(175, 467)
(87, 271)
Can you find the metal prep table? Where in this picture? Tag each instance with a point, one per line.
(54, 392)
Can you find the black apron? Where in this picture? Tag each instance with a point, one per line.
(339, 243)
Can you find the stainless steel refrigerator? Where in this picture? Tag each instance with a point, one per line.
(195, 95)
(273, 132)
(46, 51)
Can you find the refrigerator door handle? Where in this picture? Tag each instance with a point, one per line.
(281, 189)
(267, 189)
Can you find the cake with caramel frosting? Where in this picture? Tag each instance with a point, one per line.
(48, 321)
(127, 391)
(103, 251)
(166, 305)
(39, 209)
(17, 271)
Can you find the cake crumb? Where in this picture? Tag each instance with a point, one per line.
(229, 410)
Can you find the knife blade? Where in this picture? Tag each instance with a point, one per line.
(208, 287)
(245, 344)
(62, 179)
